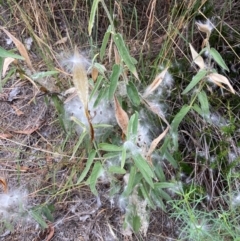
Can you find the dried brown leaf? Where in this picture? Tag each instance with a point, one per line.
(121, 116)
(20, 46)
(218, 78)
(156, 141)
(197, 59)
(156, 82)
(94, 74)
(4, 184)
(116, 54)
(7, 62)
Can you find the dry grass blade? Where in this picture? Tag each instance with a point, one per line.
(121, 116)
(7, 62)
(197, 59)
(218, 78)
(21, 48)
(156, 82)
(155, 142)
(61, 41)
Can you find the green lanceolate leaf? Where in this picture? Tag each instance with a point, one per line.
(109, 147)
(43, 74)
(90, 160)
(145, 192)
(104, 42)
(179, 117)
(38, 218)
(136, 223)
(218, 58)
(195, 80)
(132, 127)
(133, 94)
(4, 53)
(117, 170)
(114, 80)
(95, 174)
(124, 53)
(202, 97)
(130, 182)
(170, 158)
(144, 168)
(92, 15)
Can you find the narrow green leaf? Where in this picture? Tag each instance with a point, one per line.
(218, 58)
(92, 16)
(38, 218)
(145, 193)
(159, 172)
(123, 159)
(4, 53)
(197, 109)
(133, 94)
(199, 76)
(144, 168)
(109, 147)
(170, 158)
(136, 223)
(43, 74)
(157, 199)
(132, 127)
(90, 160)
(102, 93)
(117, 170)
(105, 42)
(202, 97)
(84, 133)
(178, 117)
(124, 53)
(95, 174)
(164, 185)
(96, 86)
(130, 182)
(114, 80)
(47, 213)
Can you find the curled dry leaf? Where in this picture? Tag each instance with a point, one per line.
(218, 78)
(4, 184)
(205, 27)
(156, 82)
(121, 116)
(20, 46)
(197, 59)
(7, 62)
(155, 142)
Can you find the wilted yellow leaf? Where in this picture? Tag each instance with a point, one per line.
(218, 78)
(156, 82)
(21, 48)
(121, 116)
(7, 62)
(197, 59)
